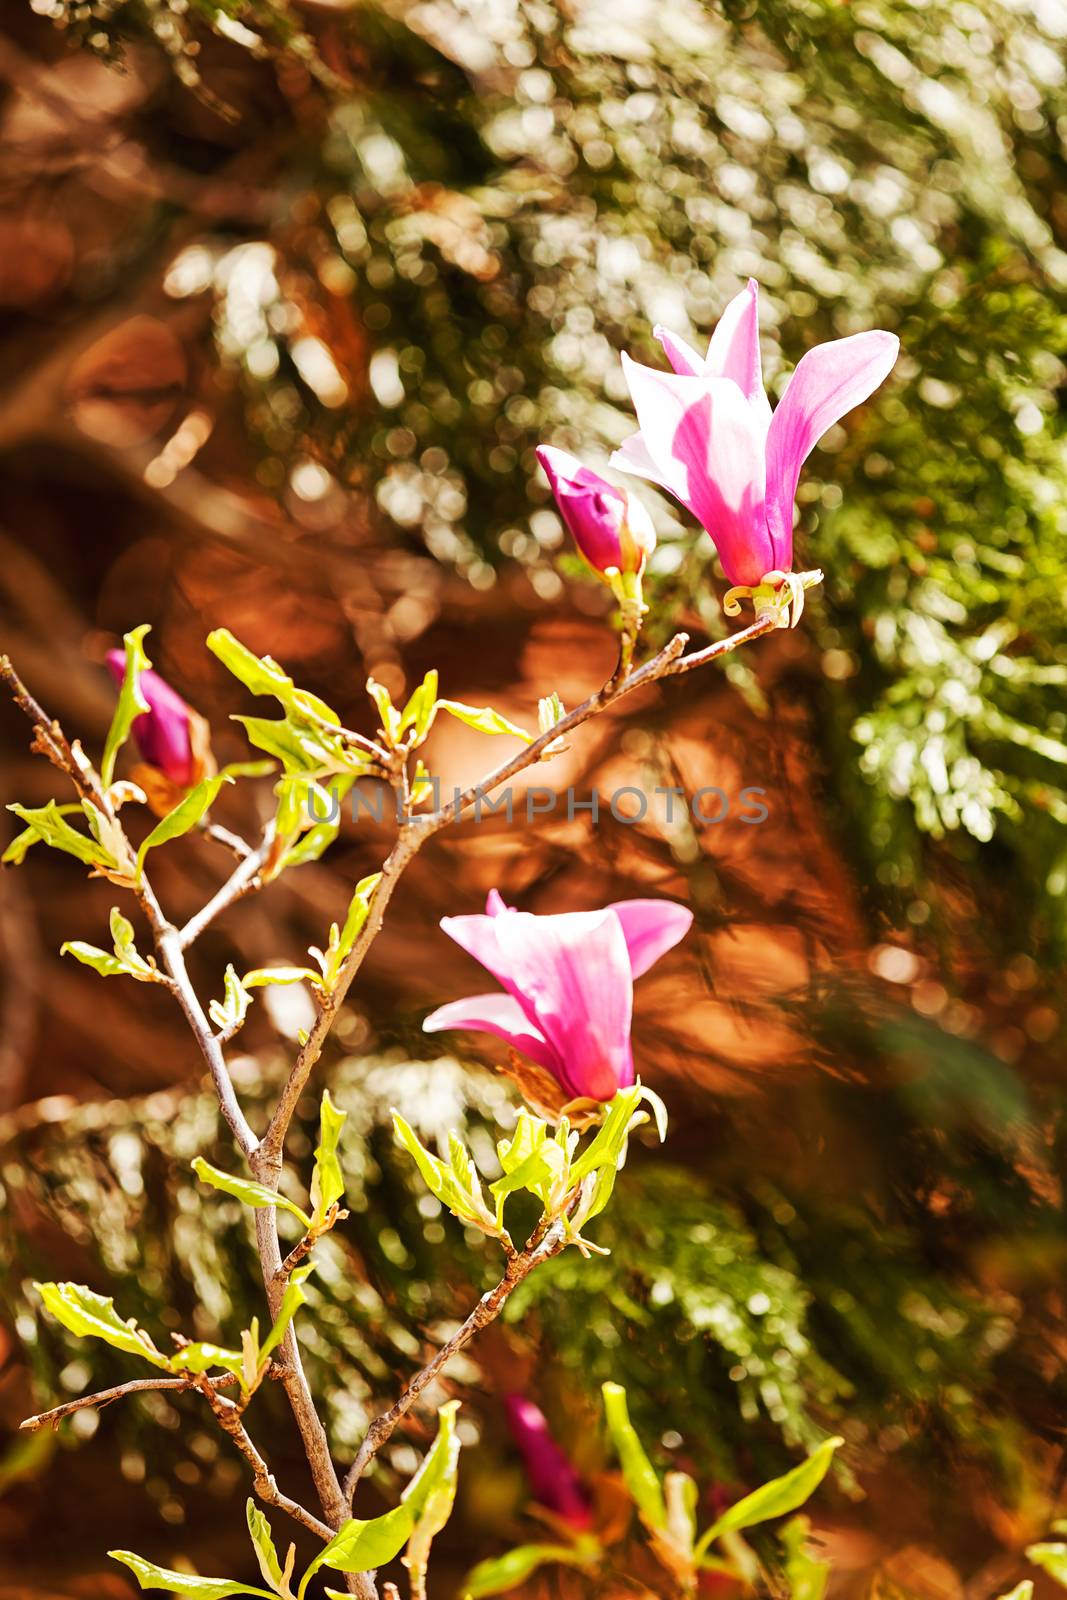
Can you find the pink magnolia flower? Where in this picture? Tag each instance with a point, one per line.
(568, 984)
(164, 732)
(708, 436)
(554, 1482)
(610, 527)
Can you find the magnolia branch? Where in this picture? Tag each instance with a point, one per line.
(228, 1416)
(244, 879)
(50, 739)
(541, 1247)
(265, 1156)
(105, 1397)
(415, 830)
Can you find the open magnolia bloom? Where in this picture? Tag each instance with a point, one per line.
(568, 982)
(708, 436)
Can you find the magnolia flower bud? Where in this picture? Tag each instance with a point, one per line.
(552, 1477)
(164, 733)
(611, 528)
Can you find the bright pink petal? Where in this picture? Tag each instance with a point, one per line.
(498, 1014)
(651, 928)
(575, 971)
(734, 350)
(707, 443)
(494, 903)
(682, 357)
(827, 383)
(632, 456)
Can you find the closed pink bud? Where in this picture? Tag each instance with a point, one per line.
(610, 527)
(164, 731)
(553, 1480)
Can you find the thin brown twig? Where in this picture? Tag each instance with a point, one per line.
(244, 879)
(106, 1397)
(228, 1416)
(541, 1247)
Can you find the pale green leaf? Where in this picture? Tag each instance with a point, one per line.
(388, 715)
(260, 1533)
(438, 1177)
(48, 824)
(247, 1190)
(263, 675)
(774, 1499)
(186, 814)
(358, 910)
(229, 1012)
(149, 1576)
(805, 1574)
(102, 961)
(293, 1298)
(201, 1356)
(637, 1469)
(93, 1316)
(484, 718)
(421, 709)
(1051, 1558)
(501, 1573)
(298, 749)
(361, 1546)
(439, 1466)
(15, 853)
(259, 977)
(327, 1181)
(131, 702)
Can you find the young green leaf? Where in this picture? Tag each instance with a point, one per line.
(500, 1573)
(260, 1533)
(358, 910)
(361, 1546)
(774, 1499)
(421, 708)
(806, 1576)
(228, 1013)
(550, 710)
(48, 825)
(101, 961)
(293, 1298)
(311, 847)
(680, 1497)
(93, 1316)
(388, 715)
(327, 1180)
(637, 1469)
(484, 718)
(431, 1493)
(259, 977)
(149, 1576)
(186, 814)
(126, 961)
(298, 749)
(131, 702)
(203, 1357)
(441, 1180)
(1051, 1558)
(15, 854)
(263, 675)
(247, 1190)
